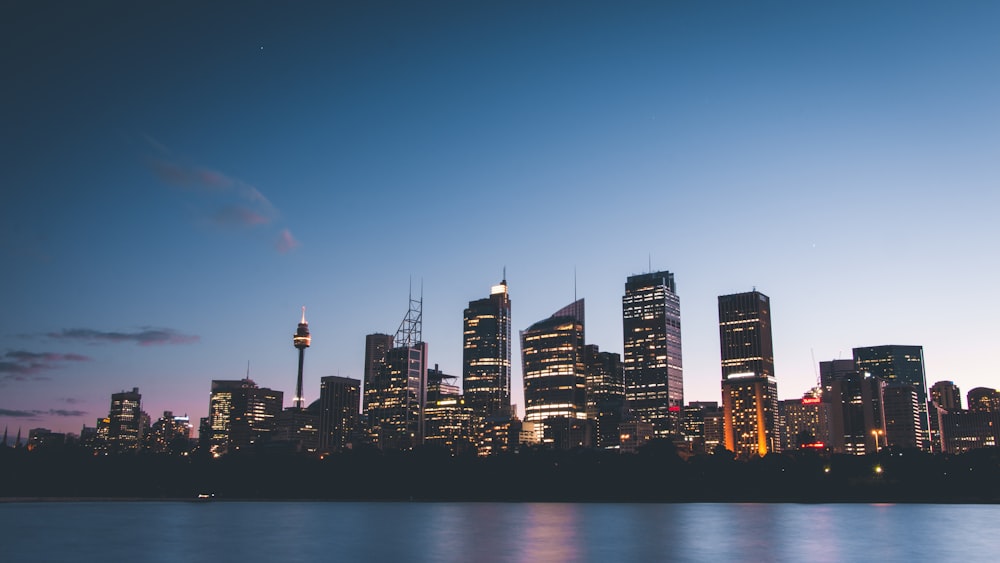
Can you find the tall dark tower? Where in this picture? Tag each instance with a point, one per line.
(654, 373)
(301, 340)
(486, 354)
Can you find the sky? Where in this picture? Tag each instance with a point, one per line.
(177, 180)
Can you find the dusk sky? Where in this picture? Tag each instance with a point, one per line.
(178, 179)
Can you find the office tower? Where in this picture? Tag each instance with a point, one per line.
(806, 422)
(240, 414)
(654, 374)
(962, 431)
(856, 415)
(605, 394)
(982, 399)
(339, 399)
(395, 383)
(701, 426)
(448, 418)
(486, 354)
(170, 434)
(301, 340)
(900, 403)
(899, 364)
(555, 382)
(296, 430)
(125, 421)
(749, 390)
(947, 395)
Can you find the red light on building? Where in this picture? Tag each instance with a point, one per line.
(675, 408)
(814, 445)
(811, 400)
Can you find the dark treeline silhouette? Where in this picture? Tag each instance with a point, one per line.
(656, 474)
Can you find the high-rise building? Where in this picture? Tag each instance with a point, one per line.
(899, 364)
(396, 383)
(486, 354)
(806, 422)
(968, 430)
(749, 390)
(902, 415)
(654, 373)
(856, 415)
(555, 382)
(170, 434)
(947, 395)
(339, 399)
(448, 418)
(240, 414)
(301, 340)
(983, 399)
(125, 421)
(605, 394)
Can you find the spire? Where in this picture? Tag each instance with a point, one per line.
(303, 321)
(5, 436)
(17, 443)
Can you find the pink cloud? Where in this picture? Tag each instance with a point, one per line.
(239, 215)
(286, 242)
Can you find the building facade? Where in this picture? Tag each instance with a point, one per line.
(856, 415)
(486, 354)
(654, 373)
(605, 394)
(899, 364)
(749, 389)
(125, 421)
(240, 414)
(339, 400)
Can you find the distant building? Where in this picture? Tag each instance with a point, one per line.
(899, 364)
(856, 415)
(448, 418)
(339, 401)
(240, 414)
(900, 402)
(749, 390)
(555, 383)
(44, 439)
(982, 399)
(634, 435)
(125, 421)
(170, 434)
(654, 373)
(296, 430)
(605, 394)
(486, 354)
(947, 395)
(969, 430)
(806, 422)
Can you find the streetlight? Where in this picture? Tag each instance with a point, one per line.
(876, 434)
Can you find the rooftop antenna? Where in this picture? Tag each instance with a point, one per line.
(574, 283)
(649, 262)
(815, 369)
(504, 280)
(248, 369)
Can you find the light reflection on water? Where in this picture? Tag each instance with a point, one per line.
(483, 532)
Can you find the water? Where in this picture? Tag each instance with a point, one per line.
(483, 532)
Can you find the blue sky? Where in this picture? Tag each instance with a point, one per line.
(179, 179)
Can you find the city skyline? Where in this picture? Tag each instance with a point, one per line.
(180, 181)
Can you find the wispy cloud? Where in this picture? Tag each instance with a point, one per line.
(224, 200)
(286, 242)
(146, 336)
(22, 365)
(35, 413)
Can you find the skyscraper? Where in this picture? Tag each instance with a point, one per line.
(396, 383)
(605, 394)
(240, 414)
(301, 340)
(339, 399)
(983, 399)
(486, 354)
(947, 395)
(899, 364)
(749, 390)
(125, 421)
(654, 374)
(856, 415)
(555, 383)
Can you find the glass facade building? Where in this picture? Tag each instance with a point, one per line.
(654, 373)
(486, 354)
(339, 399)
(899, 364)
(552, 357)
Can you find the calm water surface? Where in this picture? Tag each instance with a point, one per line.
(482, 532)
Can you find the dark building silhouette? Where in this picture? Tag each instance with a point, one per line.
(983, 399)
(396, 383)
(555, 382)
(654, 374)
(125, 428)
(170, 434)
(240, 414)
(900, 403)
(899, 364)
(962, 431)
(749, 390)
(339, 400)
(856, 415)
(947, 395)
(486, 354)
(605, 394)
